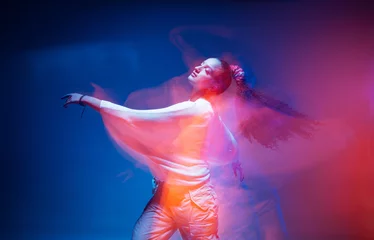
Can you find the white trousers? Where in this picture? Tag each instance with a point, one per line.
(194, 212)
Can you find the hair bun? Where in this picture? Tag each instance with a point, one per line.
(237, 73)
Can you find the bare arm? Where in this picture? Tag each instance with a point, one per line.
(183, 109)
(180, 110)
(84, 100)
(91, 102)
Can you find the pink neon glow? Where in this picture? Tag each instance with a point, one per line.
(325, 84)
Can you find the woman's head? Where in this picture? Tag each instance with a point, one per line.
(213, 75)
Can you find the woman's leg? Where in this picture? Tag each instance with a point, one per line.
(197, 216)
(154, 223)
(270, 226)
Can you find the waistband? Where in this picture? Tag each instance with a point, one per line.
(182, 187)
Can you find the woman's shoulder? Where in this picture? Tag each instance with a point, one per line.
(192, 108)
(204, 106)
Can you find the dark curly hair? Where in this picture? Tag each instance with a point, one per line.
(275, 122)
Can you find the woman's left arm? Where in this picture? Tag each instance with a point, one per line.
(179, 110)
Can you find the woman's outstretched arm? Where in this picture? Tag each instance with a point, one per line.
(91, 102)
(84, 100)
(183, 109)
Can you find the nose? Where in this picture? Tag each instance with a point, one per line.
(198, 68)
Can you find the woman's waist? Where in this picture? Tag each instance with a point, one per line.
(176, 186)
(181, 165)
(181, 191)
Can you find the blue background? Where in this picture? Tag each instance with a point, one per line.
(60, 171)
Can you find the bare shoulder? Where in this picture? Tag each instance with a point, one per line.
(204, 106)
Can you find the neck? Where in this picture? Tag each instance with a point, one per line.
(201, 94)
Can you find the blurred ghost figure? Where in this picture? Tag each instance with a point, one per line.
(217, 128)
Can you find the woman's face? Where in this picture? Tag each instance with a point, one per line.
(203, 76)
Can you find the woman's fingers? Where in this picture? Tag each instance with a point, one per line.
(66, 104)
(66, 96)
(67, 101)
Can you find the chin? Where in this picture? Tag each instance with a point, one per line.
(190, 78)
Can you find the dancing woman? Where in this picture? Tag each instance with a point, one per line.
(195, 137)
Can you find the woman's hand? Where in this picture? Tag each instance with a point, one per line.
(237, 168)
(72, 98)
